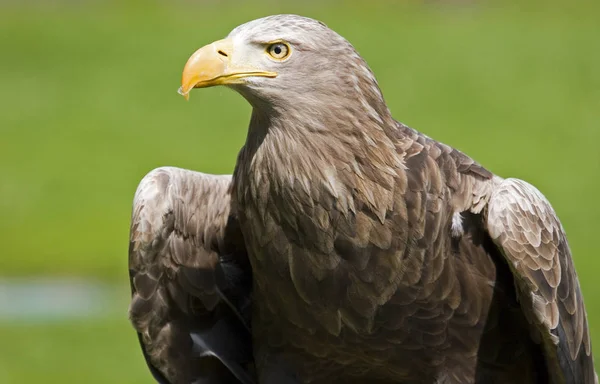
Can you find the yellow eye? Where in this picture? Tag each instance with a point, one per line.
(279, 51)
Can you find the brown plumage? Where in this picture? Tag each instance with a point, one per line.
(351, 247)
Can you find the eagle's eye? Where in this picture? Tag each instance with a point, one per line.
(279, 50)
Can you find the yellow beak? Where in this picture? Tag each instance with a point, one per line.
(211, 65)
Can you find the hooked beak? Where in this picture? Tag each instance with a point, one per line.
(211, 65)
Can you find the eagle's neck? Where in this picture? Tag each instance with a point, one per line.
(335, 157)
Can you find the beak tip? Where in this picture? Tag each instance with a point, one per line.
(186, 95)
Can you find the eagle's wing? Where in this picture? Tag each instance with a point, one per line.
(190, 279)
(525, 228)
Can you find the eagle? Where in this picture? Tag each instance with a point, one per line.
(346, 247)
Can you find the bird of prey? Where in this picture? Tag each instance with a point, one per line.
(346, 247)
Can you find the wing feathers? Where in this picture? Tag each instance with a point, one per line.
(524, 226)
(187, 310)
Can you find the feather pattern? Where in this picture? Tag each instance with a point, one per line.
(524, 226)
(189, 273)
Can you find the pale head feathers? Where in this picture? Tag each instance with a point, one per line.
(322, 74)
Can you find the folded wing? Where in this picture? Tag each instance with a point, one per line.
(522, 223)
(190, 279)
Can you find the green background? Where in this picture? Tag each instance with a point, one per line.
(88, 105)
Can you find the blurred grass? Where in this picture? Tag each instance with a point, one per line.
(89, 105)
(97, 351)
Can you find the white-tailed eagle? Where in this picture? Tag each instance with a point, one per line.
(346, 247)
